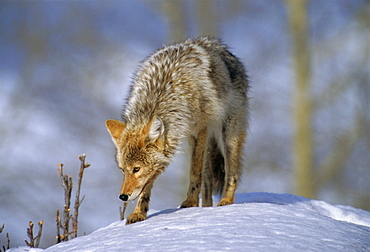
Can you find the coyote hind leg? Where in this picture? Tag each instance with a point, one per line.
(234, 135)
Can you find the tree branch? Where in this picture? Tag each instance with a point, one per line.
(34, 241)
(78, 202)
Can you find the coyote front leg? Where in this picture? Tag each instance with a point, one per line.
(198, 147)
(142, 206)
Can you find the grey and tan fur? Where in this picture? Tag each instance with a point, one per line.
(196, 91)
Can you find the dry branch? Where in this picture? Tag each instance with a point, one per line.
(59, 227)
(122, 211)
(78, 202)
(67, 215)
(7, 238)
(8, 242)
(67, 185)
(34, 241)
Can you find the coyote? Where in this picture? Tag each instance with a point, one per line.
(196, 91)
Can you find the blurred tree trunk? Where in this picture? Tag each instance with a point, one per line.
(173, 10)
(207, 19)
(302, 109)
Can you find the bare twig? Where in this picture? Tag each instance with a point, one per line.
(30, 235)
(67, 215)
(7, 238)
(38, 237)
(67, 185)
(122, 211)
(8, 242)
(34, 241)
(59, 227)
(78, 202)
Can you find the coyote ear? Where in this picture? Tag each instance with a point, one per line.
(115, 128)
(156, 129)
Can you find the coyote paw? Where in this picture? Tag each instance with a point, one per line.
(189, 203)
(224, 202)
(135, 217)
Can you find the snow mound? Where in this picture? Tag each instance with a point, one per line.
(24, 249)
(340, 213)
(256, 222)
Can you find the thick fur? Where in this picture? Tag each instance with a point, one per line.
(194, 90)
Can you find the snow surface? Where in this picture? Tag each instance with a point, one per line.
(256, 222)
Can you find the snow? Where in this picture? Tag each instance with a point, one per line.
(25, 249)
(256, 222)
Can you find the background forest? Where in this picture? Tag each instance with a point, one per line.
(66, 67)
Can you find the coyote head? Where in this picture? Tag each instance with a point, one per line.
(140, 154)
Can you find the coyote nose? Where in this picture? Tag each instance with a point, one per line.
(123, 197)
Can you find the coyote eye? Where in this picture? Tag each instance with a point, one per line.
(136, 169)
